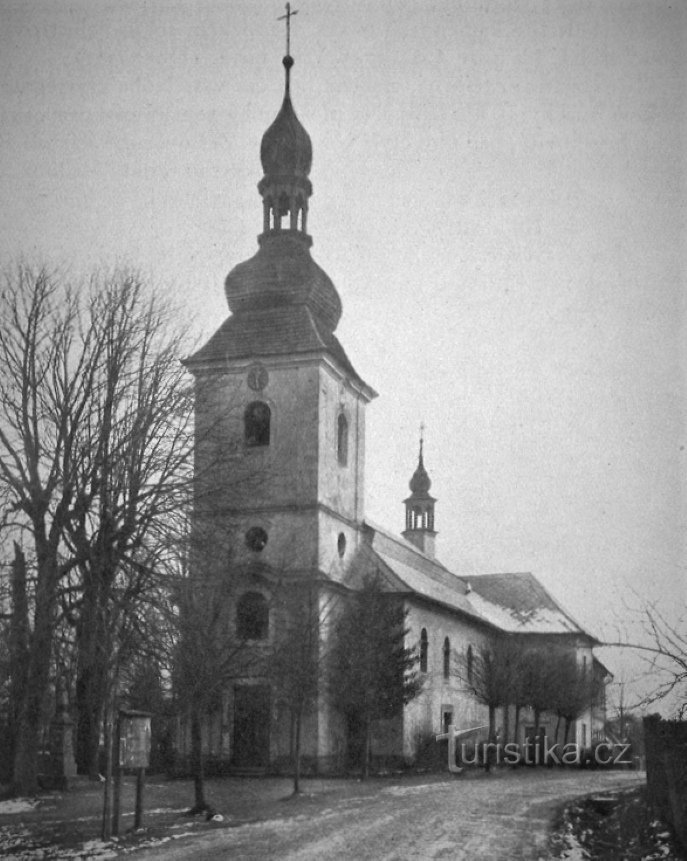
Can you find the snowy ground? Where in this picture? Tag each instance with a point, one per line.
(505, 815)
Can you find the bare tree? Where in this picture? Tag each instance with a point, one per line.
(492, 674)
(48, 358)
(135, 453)
(574, 688)
(206, 656)
(298, 660)
(93, 445)
(661, 645)
(539, 681)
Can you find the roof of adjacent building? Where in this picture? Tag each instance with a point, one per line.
(513, 603)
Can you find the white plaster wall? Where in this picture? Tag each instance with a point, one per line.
(423, 715)
(341, 488)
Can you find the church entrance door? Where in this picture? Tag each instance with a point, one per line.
(251, 726)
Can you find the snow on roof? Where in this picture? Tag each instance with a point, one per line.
(514, 603)
(518, 603)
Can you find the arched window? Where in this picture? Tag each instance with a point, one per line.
(470, 663)
(424, 649)
(342, 440)
(252, 617)
(447, 657)
(256, 424)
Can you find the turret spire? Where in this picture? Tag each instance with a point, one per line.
(420, 506)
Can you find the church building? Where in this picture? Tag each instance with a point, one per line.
(280, 500)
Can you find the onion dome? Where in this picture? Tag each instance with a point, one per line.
(283, 273)
(286, 150)
(420, 483)
(286, 156)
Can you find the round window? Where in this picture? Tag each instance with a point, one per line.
(341, 544)
(256, 538)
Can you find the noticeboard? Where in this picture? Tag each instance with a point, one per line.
(134, 740)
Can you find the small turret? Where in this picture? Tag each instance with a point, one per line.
(420, 508)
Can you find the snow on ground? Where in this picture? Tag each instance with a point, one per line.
(420, 789)
(21, 845)
(18, 805)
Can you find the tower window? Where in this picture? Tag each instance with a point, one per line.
(341, 544)
(470, 665)
(256, 424)
(447, 657)
(342, 440)
(252, 617)
(424, 649)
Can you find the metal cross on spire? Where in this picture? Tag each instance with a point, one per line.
(289, 14)
(422, 433)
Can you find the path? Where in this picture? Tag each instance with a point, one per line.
(505, 815)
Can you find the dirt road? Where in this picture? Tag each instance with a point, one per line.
(505, 815)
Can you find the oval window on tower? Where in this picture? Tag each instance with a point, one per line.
(256, 538)
(341, 544)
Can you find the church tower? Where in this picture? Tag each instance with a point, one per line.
(280, 410)
(420, 509)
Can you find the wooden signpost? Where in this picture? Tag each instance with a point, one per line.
(133, 752)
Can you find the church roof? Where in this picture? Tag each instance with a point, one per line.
(289, 330)
(407, 569)
(518, 603)
(513, 603)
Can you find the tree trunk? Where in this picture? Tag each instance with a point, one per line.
(506, 724)
(200, 803)
(110, 754)
(367, 749)
(492, 738)
(567, 730)
(32, 709)
(297, 751)
(92, 665)
(516, 722)
(91, 681)
(18, 647)
(558, 726)
(89, 698)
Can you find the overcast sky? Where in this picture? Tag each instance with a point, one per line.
(499, 197)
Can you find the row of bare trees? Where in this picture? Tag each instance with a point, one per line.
(95, 466)
(508, 672)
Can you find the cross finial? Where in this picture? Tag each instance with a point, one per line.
(422, 433)
(289, 14)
